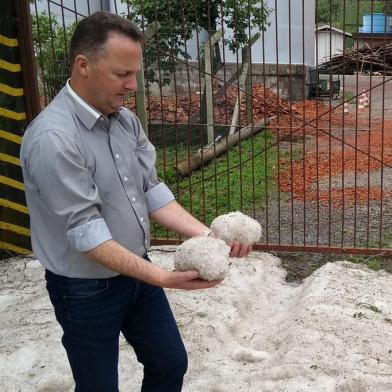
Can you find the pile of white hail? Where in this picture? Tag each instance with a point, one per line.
(209, 255)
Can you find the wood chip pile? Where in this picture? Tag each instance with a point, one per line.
(318, 165)
(366, 59)
(187, 108)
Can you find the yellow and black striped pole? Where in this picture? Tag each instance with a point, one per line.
(16, 108)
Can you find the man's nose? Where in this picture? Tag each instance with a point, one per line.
(131, 84)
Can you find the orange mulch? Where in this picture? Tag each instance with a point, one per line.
(187, 108)
(322, 164)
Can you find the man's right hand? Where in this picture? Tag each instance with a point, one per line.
(117, 258)
(189, 280)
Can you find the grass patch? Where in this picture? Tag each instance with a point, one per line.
(295, 153)
(348, 96)
(372, 262)
(233, 181)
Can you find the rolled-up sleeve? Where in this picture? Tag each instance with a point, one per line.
(58, 171)
(158, 197)
(89, 235)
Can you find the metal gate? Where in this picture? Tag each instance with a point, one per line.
(253, 106)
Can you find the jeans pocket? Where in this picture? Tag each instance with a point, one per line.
(84, 288)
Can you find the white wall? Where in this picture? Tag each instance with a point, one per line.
(329, 44)
(82, 8)
(301, 28)
(301, 15)
(280, 15)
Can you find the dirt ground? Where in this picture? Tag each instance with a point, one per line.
(300, 265)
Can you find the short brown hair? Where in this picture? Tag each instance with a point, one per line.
(93, 31)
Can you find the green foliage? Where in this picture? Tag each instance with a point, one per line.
(370, 261)
(179, 22)
(349, 97)
(328, 11)
(213, 190)
(51, 43)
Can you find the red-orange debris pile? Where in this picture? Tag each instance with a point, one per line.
(322, 163)
(169, 109)
(265, 104)
(290, 120)
(187, 108)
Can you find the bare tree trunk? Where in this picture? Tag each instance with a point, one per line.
(207, 154)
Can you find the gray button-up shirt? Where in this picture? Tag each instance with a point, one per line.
(88, 179)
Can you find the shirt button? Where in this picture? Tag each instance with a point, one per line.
(117, 156)
(142, 219)
(125, 179)
(133, 198)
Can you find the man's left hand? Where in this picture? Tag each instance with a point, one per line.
(239, 250)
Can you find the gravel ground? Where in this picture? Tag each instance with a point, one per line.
(360, 180)
(325, 226)
(296, 222)
(377, 94)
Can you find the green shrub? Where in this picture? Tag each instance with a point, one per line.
(51, 43)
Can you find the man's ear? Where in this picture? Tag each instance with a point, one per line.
(81, 65)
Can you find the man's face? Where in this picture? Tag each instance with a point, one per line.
(112, 75)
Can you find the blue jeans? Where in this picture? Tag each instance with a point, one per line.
(92, 312)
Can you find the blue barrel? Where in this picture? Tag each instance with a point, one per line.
(379, 23)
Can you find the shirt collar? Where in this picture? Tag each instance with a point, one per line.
(85, 112)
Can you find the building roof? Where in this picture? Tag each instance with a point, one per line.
(328, 27)
(375, 36)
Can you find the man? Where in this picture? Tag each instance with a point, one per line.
(91, 187)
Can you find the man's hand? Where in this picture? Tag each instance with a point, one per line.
(239, 250)
(188, 280)
(117, 258)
